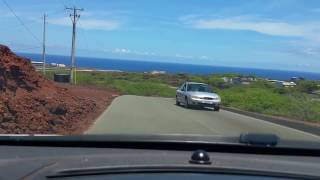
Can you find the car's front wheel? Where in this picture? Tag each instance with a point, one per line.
(216, 108)
(177, 101)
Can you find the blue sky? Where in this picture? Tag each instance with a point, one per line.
(270, 34)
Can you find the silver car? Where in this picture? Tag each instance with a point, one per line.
(197, 94)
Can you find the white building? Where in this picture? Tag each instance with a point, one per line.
(158, 72)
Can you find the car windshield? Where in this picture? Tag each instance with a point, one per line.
(199, 88)
(148, 68)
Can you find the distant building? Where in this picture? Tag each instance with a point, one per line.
(37, 64)
(226, 79)
(239, 80)
(286, 84)
(61, 65)
(157, 72)
(316, 92)
(57, 65)
(273, 81)
(296, 79)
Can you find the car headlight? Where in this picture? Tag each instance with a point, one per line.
(216, 98)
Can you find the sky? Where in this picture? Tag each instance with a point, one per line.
(268, 34)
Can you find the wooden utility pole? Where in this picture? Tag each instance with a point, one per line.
(44, 45)
(74, 18)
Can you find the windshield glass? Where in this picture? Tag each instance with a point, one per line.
(123, 67)
(198, 88)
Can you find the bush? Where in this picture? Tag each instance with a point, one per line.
(267, 101)
(307, 86)
(144, 88)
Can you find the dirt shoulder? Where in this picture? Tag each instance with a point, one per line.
(101, 97)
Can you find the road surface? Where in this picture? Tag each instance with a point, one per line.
(151, 115)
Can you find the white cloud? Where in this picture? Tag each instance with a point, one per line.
(180, 56)
(121, 51)
(204, 57)
(184, 56)
(132, 52)
(264, 26)
(311, 51)
(97, 24)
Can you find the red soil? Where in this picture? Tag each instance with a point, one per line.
(32, 104)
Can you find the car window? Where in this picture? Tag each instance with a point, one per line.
(199, 88)
(184, 87)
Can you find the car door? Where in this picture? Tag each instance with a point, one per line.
(184, 93)
(180, 93)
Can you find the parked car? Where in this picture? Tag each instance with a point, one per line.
(197, 94)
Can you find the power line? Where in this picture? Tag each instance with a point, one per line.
(21, 22)
(11, 26)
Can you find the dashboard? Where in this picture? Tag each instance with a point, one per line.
(31, 162)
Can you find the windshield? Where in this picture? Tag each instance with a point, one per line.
(199, 88)
(123, 67)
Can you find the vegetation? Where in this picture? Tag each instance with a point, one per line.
(307, 86)
(272, 101)
(260, 96)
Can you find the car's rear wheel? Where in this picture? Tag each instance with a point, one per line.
(186, 103)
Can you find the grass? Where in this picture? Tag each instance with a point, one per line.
(261, 96)
(127, 83)
(267, 101)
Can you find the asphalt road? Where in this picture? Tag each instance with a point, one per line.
(151, 115)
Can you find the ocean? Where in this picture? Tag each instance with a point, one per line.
(143, 66)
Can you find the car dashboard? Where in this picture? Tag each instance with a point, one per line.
(34, 162)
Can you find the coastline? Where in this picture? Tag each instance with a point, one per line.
(115, 65)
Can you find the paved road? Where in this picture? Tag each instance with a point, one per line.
(151, 115)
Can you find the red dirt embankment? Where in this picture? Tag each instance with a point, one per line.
(32, 104)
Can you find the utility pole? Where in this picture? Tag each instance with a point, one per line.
(74, 18)
(44, 45)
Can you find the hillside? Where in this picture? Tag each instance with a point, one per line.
(30, 103)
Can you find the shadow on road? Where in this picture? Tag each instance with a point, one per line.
(196, 108)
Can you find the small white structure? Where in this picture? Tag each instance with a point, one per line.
(61, 65)
(226, 80)
(157, 72)
(283, 83)
(286, 84)
(37, 64)
(57, 65)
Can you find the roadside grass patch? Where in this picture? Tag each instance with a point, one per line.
(267, 101)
